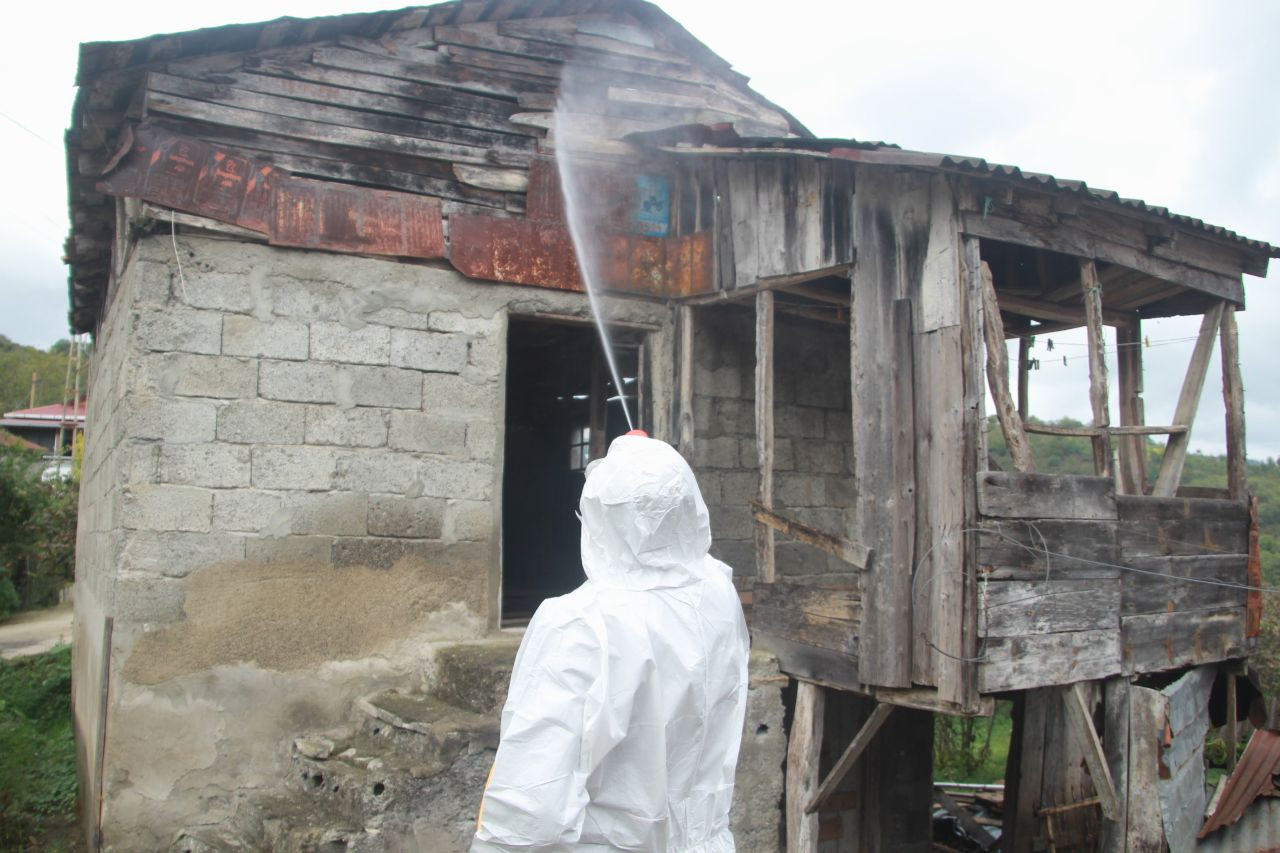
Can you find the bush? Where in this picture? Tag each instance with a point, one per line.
(37, 749)
(37, 532)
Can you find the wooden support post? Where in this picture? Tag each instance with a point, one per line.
(766, 570)
(974, 457)
(1233, 398)
(1115, 742)
(850, 757)
(1148, 713)
(1081, 720)
(998, 376)
(1232, 733)
(685, 427)
(1133, 472)
(1024, 376)
(1175, 451)
(1097, 367)
(1026, 761)
(804, 748)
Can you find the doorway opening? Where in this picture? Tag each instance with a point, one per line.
(562, 411)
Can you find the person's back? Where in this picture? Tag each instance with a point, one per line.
(622, 725)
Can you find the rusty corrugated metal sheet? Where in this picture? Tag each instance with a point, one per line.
(1252, 777)
(218, 183)
(541, 253)
(1257, 831)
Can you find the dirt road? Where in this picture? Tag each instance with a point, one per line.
(35, 632)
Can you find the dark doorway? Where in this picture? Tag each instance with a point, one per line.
(562, 411)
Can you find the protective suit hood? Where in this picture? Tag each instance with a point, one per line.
(644, 523)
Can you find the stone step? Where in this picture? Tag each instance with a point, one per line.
(475, 676)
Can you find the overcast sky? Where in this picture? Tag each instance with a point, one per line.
(1170, 102)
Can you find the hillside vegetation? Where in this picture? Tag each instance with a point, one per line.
(17, 365)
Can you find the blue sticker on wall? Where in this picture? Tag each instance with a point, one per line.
(652, 213)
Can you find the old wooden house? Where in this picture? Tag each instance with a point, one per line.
(345, 385)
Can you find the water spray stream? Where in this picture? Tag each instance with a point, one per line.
(574, 204)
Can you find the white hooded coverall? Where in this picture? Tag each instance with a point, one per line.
(625, 712)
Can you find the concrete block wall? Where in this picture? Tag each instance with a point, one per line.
(812, 434)
(292, 493)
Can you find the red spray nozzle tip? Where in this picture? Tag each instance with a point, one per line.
(638, 432)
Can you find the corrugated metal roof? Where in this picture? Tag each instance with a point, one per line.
(1251, 778)
(887, 153)
(1256, 831)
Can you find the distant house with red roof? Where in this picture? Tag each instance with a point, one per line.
(39, 426)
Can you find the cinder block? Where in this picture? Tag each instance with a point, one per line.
(800, 422)
(290, 549)
(411, 518)
(336, 342)
(339, 514)
(378, 471)
(447, 478)
(799, 490)
(486, 357)
(163, 507)
(437, 352)
(738, 487)
(732, 522)
(735, 416)
(173, 329)
(215, 288)
(278, 338)
(739, 554)
(144, 598)
(819, 457)
(187, 375)
(215, 465)
(244, 509)
(719, 453)
(456, 321)
(177, 421)
(308, 468)
(482, 440)
(383, 553)
(390, 387)
(261, 422)
(469, 521)
(446, 395)
(720, 382)
(426, 433)
(346, 427)
(177, 554)
(302, 382)
(709, 484)
(826, 390)
(840, 490)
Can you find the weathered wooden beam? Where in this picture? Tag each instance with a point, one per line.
(685, 430)
(1095, 758)
(1148, 716)
(850, 756)
(998, 377)
(976, 830)
(1175, 451)
(1232, 735)
(1115, 743)
(854, 553)
(1068, 240)
(1098, 393)
(1133, 474)
(1253, 574)
(779, 282)
(1024, 376)
(1038, 309)
(974, 454)
(1233, 398)
(766, 567)
(1088, 432)
(804, 749)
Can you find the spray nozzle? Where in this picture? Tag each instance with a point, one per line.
(638, 432)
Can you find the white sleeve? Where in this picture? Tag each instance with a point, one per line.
(536, 798)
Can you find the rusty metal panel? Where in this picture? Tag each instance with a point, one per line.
(323, 215)
(221, 184)
(1251, 779)
(513, 250)
(541, 254)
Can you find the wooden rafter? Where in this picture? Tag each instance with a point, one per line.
(998, 377)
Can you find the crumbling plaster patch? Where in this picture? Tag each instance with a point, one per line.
(299, 615)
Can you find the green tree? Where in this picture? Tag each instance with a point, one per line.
(37, 532)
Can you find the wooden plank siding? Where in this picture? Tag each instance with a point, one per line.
(1078, 583)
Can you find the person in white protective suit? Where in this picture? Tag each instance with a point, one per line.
(624, 716)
